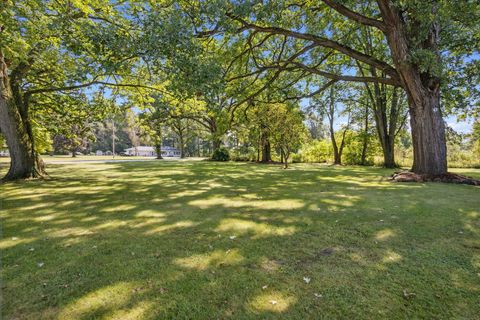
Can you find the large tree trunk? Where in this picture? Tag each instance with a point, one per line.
(24, 162)
(266, 151)
(389, 154)
(422, 88)
(265, 146)
(428, 135)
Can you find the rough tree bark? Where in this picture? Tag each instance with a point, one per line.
(422, 89)
(266, 152)
(265, 144)
(15, 126)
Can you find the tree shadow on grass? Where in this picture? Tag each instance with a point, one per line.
(213, 240)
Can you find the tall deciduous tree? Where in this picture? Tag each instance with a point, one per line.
(418, 33)
(49, 48)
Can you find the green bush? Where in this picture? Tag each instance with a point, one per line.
(459, 157)
(297, 158)
(221, 154)
(352, 152)
(315, 151)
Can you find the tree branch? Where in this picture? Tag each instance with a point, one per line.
(323, 42)
(88, 84)
(355, 16)
(340, 77)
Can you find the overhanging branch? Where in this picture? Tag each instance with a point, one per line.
(355, 16)
(322, 42)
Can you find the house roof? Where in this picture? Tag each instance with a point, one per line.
(141, 148)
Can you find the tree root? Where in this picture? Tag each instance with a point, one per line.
(407, 176)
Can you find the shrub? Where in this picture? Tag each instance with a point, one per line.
(220, 154)
(297, 158)
(315, 151)
(352, 152)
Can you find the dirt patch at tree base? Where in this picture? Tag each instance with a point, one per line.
(407, 176)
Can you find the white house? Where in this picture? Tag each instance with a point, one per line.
(145, 151)
(142, 151)
(4, 153)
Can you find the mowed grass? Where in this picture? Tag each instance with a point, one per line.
(204, 240)
(68, 158)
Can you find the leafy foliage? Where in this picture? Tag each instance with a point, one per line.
(220, 154)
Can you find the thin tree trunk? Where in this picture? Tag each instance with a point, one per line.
(182, 148)
(342, 144)
(365, 138)
(158, 150)
(158, 140)
(286, 155)
(337, 159)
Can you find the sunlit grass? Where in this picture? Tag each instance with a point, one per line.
(205, 240)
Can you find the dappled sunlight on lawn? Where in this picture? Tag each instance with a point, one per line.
(283, 204)
(8, 242)
(271, 301)
(206, 240)
(385, 234)
(171, 227)
(216, 258)
(391, 256)
(257, 229)
(110, 302)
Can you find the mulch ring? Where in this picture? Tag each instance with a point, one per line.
(407, 176)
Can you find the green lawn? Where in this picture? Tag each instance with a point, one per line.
(204, 240)
(59, 158)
